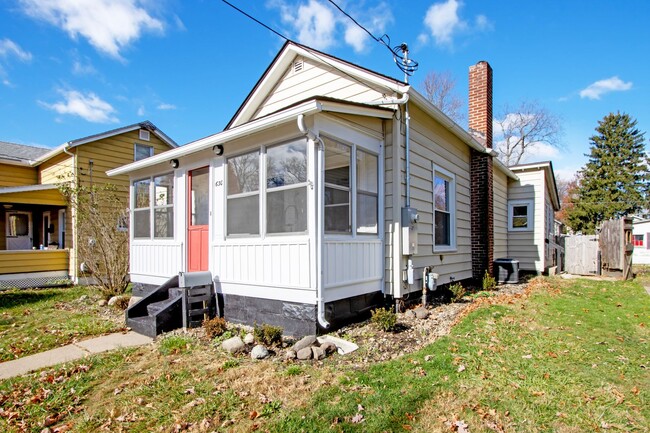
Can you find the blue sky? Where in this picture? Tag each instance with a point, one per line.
(69, 69)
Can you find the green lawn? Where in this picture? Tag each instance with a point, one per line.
(570, 357)
(34, 320)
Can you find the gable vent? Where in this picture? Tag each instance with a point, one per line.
(144, 135)
(298, 66)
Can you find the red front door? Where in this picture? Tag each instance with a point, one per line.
(199, 219)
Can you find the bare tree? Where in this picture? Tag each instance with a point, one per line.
(518, 130)
(103, 237)
(438, 88)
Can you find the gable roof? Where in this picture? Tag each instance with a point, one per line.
(547, 166)
(79, 141)
(21, 153)
(285, 57)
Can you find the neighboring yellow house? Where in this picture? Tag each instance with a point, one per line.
(37, 228)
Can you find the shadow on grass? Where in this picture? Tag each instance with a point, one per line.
(16, 297)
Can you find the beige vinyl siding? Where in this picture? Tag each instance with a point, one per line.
(315, 80)
(431, 143)
(390, 214)
(500, 213)
(56, 169)
(14, 175)
(528, 246)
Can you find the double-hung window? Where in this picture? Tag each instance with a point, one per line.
(367, 192)
(243, 199)
(520, 215)
(153, 207)
(444, 209)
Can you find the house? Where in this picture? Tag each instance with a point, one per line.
(332, 188)
(641, 241)
(532, 202)
(37, 227)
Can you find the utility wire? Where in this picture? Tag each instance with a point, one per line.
(407, 66)
(256, 20)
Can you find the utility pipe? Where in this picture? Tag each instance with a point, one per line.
(425, 271)
(314, 139)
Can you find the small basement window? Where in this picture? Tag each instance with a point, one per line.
(520, 215)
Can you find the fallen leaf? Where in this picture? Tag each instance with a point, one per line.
(527, 356)
(461, 368)
(253, 414)
(552, 354)
(358, 418)
(538, 393)
(461, 427)
(407, 427)
(560, 414)
(360, 408)
(635, 391)
(190, 391)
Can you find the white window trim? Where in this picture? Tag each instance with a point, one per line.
(530, 206)
(135, 146)
(152, 209)
(451, 177)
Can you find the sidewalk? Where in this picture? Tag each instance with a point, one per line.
(71, 352)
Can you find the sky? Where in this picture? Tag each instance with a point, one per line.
(73, 68)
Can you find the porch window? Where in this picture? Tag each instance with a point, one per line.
(444, 209)
(286, 188)
(163, 206)
(154, 207)
(141, 209)
(243, 198)
(520, 215)
(337, 187)
(367, 190)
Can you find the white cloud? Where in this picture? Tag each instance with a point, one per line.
(141, 111)
(108, 25)
(315, 23)
(443, 21)
(79, 68)
(164, 106)
(87, 106)
(599, 88)
(9, 48)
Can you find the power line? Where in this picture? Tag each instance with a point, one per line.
(256, 20)
(406, 65)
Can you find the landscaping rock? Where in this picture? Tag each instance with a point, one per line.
(113, 300)
(249, 338)
(318, 353)
(304, 354)
(410, 313)
(102, 303)
(290, 354)
(233, 345)
(421, 313)
(328, 347)
(133, 300)
(304, 342)
(259, 352)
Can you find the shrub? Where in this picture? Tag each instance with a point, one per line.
(293, 370)
(384, 318)
(268, 334)
(214, 327)
(457, 292)
(122, 302)
(489, 283)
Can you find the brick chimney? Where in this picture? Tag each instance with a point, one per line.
(481, 171)
(480, 102)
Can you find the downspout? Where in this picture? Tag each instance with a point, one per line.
(73, 216)
(320, 147)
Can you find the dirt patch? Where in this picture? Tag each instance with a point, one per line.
(413, 334)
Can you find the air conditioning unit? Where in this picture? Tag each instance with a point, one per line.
(506, 271)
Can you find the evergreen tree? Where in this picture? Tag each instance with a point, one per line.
(614, 182)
